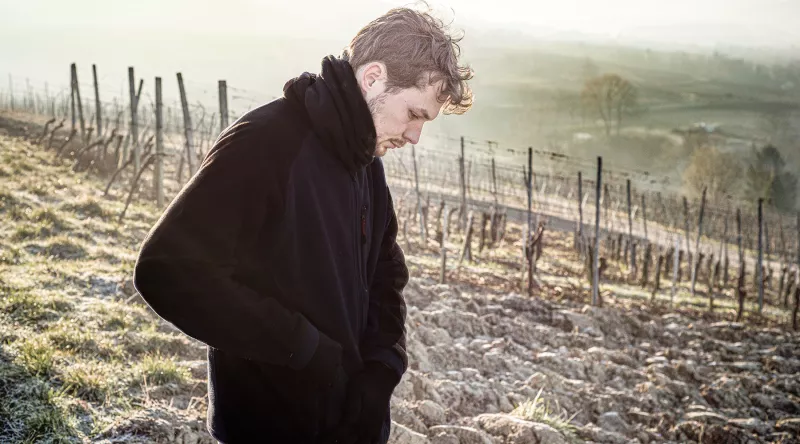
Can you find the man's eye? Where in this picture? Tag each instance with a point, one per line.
(411, 115)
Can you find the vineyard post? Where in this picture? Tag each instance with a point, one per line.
(419, 203)
(159, 167)
(631, 248)
(675, 266)
(461, 166)
(77, 92)
(759, 266)
(596, 259)
(494, 184)
(579, 241)
(644, 218)
(223, 105)
(724, 248)
(11, 93)
(134, 140)
(686, 228)
(73, 114)
(783, 265)
(696, 256)
(187, 126)
(528, 177)
(445, 229)
(767, 250)
(98, 108)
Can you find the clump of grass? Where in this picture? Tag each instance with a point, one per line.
(11, 207)
(28, 308)
(116, 321)
(47, 216)
(70, 336)
(158, 370)
(142, 343)
(87, 383)
(539, 410)
(31, 411)
(43, 223)
(32, 231)
(88, 208)
(64, 248)
(36, 356)
(7, 201)
(10, 256)
(39, 189)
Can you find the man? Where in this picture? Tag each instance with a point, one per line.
(280, 253)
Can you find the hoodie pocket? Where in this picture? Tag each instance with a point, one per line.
(332, 402)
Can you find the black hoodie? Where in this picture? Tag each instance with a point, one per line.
(280, 254)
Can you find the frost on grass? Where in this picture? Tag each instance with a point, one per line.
(73, 354)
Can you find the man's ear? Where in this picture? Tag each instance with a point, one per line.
(371, 75)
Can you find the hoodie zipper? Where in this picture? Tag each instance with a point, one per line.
(362, 235)
(362, 231)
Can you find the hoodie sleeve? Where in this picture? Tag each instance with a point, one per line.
(185, 268)
(386, 340)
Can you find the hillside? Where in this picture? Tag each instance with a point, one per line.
(82, 359)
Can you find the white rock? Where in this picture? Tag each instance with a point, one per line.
(613, 422)
(431, 412)
(466, 435)
(444, 438)
(402, 435)
(519, 431)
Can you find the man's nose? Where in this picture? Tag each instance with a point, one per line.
(413, 134)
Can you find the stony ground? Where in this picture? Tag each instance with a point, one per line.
(83, 360)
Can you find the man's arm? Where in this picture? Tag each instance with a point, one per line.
(185, 266)
(385, 340)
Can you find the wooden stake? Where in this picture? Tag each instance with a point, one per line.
(644, 218)
(422, 222)
(445, 229)
(657, 280)
(98, 107)
(686, 223)
(466, 248)
(461, 166)
(187, 126)
(580, 212)
(596, 266)
(759, 266)
(77, 92)
(675, 268)
(158, 176)
(223, 105)
(528, 180)
(632, 255)
(697, 244)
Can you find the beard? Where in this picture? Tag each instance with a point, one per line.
(376, 105)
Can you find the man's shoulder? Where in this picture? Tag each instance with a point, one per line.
(275, 118)
(273, 131)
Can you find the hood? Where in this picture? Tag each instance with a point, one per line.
(337, 110)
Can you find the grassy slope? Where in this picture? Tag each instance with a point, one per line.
(78, 362)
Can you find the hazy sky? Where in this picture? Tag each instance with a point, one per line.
(757, 22)
(256, 45)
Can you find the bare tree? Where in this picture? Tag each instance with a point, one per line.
(612, 97)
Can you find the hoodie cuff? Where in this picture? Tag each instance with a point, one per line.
(305, 344)
(389, 359)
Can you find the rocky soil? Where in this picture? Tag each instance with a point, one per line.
(623, 377)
